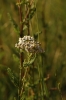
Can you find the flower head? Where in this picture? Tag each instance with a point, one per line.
(28, 44)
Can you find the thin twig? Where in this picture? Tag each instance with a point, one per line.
(28, 10)
(27, 17)
(21, 54)
(25, 74)
(20, 14)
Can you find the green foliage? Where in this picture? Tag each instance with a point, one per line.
(30, 61)
(31, 13)
(36, 35)
(51, 17)
(16, 28)
(15, 58)
(46, 91)
(13, 77)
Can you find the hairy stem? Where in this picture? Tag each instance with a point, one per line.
(42, 76)
(27, 17)
(21, 54)
(27, 7)
(20, 15)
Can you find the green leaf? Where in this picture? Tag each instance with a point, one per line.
(16, 28)
(30, 62)
(13, 77)
(23, 96)
(24, 27)
(16, 52)
(16, 58)
(39, 32)
(46, 92)
(36, 35)
(32, 12)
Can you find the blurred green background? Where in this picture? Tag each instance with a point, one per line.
(51, 20)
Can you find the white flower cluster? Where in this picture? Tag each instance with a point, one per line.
(28, 44)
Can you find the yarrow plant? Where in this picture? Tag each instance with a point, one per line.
(28, 44)
(30, 81)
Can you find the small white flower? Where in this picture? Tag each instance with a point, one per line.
(20, 39)
(28, 44)
(16, 45)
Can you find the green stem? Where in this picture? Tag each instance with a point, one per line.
(27, 17)
(42, 78)
(20, 14)
(21, 54)
(37, 23)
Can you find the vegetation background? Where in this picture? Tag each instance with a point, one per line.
(51, 20)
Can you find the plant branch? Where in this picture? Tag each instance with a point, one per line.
(20, 14)
(27, 17)
(21, 54)
(27, 11)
